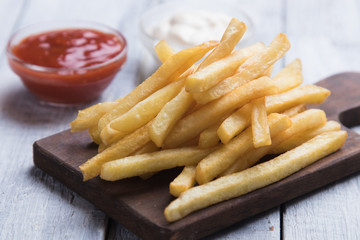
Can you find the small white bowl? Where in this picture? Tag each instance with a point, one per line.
(157, 14)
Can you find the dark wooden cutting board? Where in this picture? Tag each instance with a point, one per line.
(139, 204)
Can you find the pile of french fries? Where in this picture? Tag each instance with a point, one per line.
(215, 119)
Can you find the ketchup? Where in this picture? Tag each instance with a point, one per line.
(69, 65)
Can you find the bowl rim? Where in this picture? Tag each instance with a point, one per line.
(39, 68)
(250, 22)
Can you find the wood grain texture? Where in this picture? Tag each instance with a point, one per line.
(139, 204)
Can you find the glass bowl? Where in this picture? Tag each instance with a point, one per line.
(66, 85)
(157, 14)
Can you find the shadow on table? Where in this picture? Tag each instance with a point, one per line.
(21, 106)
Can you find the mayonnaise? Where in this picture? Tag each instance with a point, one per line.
(189, 28)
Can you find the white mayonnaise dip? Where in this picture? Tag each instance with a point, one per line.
(189, 28)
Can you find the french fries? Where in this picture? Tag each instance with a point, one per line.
(123, 148)
(289, 77)
(89, 117)
(177, 117)
(256, 177)
(251, 69)
(168, 116)
(191, 125)
(152, 162)
(301, 122)
(164, 51)
(302, 136)
(144, 111)
(235, 123)
(214, 164)
(184, 181)
(171, 69)
(230, 38)
(259, 124)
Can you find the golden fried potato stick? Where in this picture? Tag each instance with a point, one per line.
(252, 68)
(120, 149)
(232, 35)
(268, 71)
(256, 177)
(184, 181)
(305, 94)
(289, 77)
(218, 161)
(147, 148)
(163, 50)
(142, 112)
(206, 78)
(193, 124)
(235, 123)
(152, 162)
(304, 136)
(294, 110)
(89, 117)
(208, 137)
(94, 134)
(247, 52)
(259, 123)
(169, 115)
(302, 122)
(171, 69)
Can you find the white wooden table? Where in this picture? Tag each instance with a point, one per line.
(324, 34)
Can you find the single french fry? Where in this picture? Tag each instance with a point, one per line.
(289, 77)
(94, 134)
(247, 52)
(171, 69)
(232, 35)
(235, 123)
(252, 68)
(209, 138)
(89, 117)
(152, 162)
(259, 123)
(256, 177)
(268, 71)
(193, 124)
(218, 161)
(302, 122)
(305, 94)
(164, 51)
(205, 78)
(184, 181)
(169, 115)
(122, 148)
(294, 110)
(304, 136)
(141, 113)
(147, 148)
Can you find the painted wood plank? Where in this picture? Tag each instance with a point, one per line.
(324, 34)
(10, 12)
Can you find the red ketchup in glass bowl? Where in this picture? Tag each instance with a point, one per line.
(68, 63)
